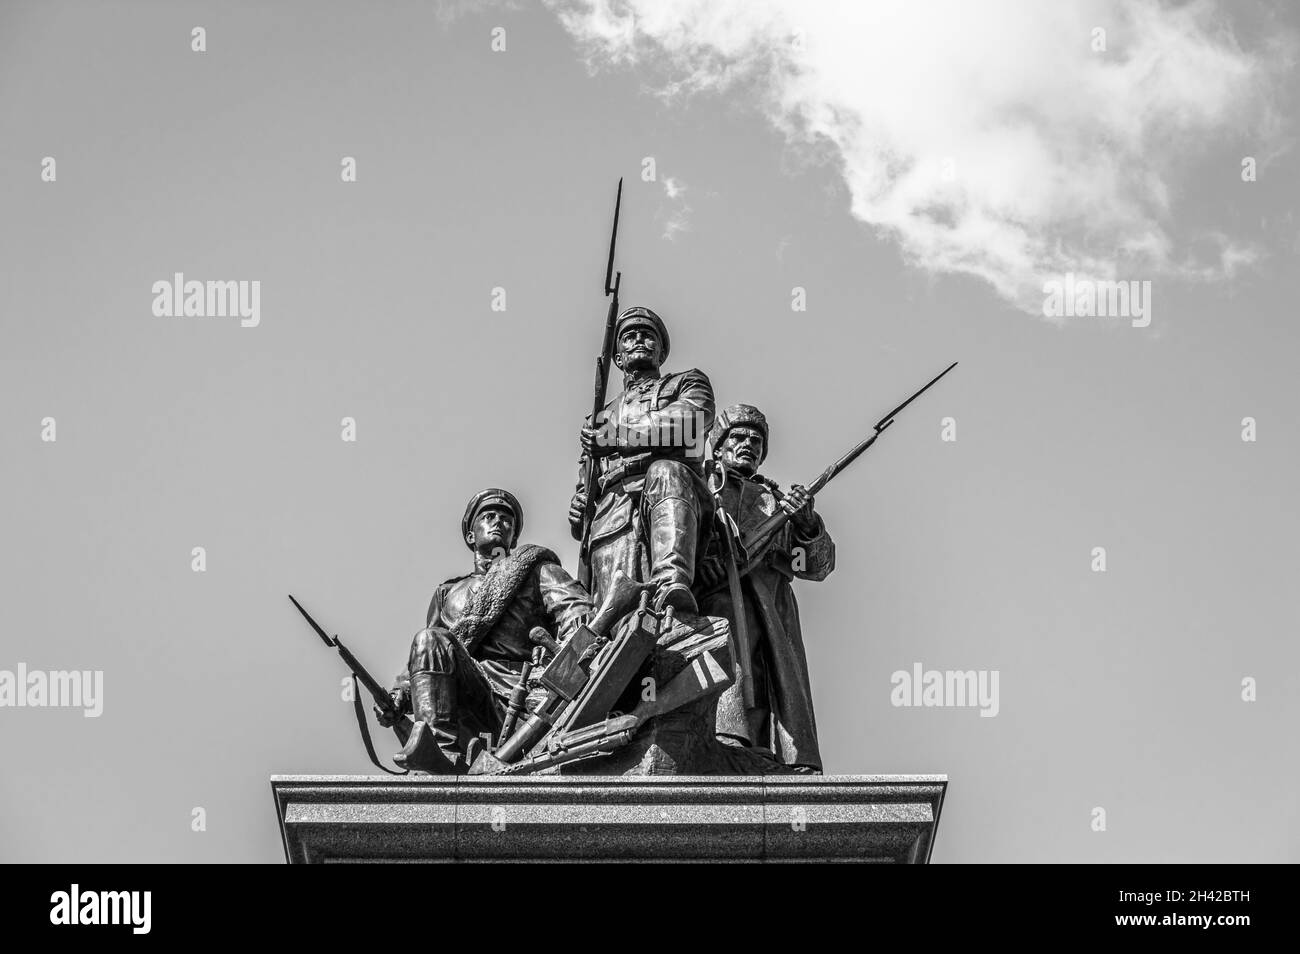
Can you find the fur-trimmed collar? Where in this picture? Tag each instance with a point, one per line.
(500, 583)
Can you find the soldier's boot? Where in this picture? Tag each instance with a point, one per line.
(621, 597)
(674, 536)
(432, 746)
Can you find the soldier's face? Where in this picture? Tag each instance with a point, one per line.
(492, 530)
(639, 349)
(742, 449)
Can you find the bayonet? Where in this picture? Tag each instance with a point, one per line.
(401, 724)
(773, 523)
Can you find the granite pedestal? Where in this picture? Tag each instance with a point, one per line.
(859, 818)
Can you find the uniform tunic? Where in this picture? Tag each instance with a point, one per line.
(666, 420)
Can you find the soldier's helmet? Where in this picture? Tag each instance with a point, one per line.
(644, 317)
(738, 414)
(493, 497)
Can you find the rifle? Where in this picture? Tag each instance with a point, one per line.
(519, 695)
(603, 361)
(401, 724)
(740, 649)
(775, 522)
(567, 677)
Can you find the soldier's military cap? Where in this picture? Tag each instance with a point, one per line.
(738, 414)
(644, 317)
(493, 497)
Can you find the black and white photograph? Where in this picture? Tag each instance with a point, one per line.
(675, 431)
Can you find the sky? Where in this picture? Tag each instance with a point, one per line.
(914, 175)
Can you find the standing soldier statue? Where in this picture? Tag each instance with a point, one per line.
(780, 718)
(647, 446)
(477, 648)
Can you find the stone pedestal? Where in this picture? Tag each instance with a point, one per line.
(889, 818)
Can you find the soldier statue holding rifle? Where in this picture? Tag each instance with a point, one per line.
(640, 476)
(775, 715)
(646, 451)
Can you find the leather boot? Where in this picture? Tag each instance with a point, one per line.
(674, 536)
(432, 746)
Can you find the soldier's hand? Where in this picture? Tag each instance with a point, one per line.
(595, 443)
(577, 509)
(798, 503)
(710, 572)
(388, 719)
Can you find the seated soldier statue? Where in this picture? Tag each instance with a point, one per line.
(466, 663)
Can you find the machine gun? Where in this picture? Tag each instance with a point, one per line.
(702, 677)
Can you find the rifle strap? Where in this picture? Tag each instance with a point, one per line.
(365, 729)
(741, 646)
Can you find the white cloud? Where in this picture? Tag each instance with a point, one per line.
(988, 139)
(676, 223)
(678, 214)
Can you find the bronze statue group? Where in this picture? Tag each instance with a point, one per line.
(677, 648)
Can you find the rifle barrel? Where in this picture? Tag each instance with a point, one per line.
(612, 282)
(779, 519)
(381, 696)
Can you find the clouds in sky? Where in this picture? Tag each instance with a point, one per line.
(995, 139)
(678, 211)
